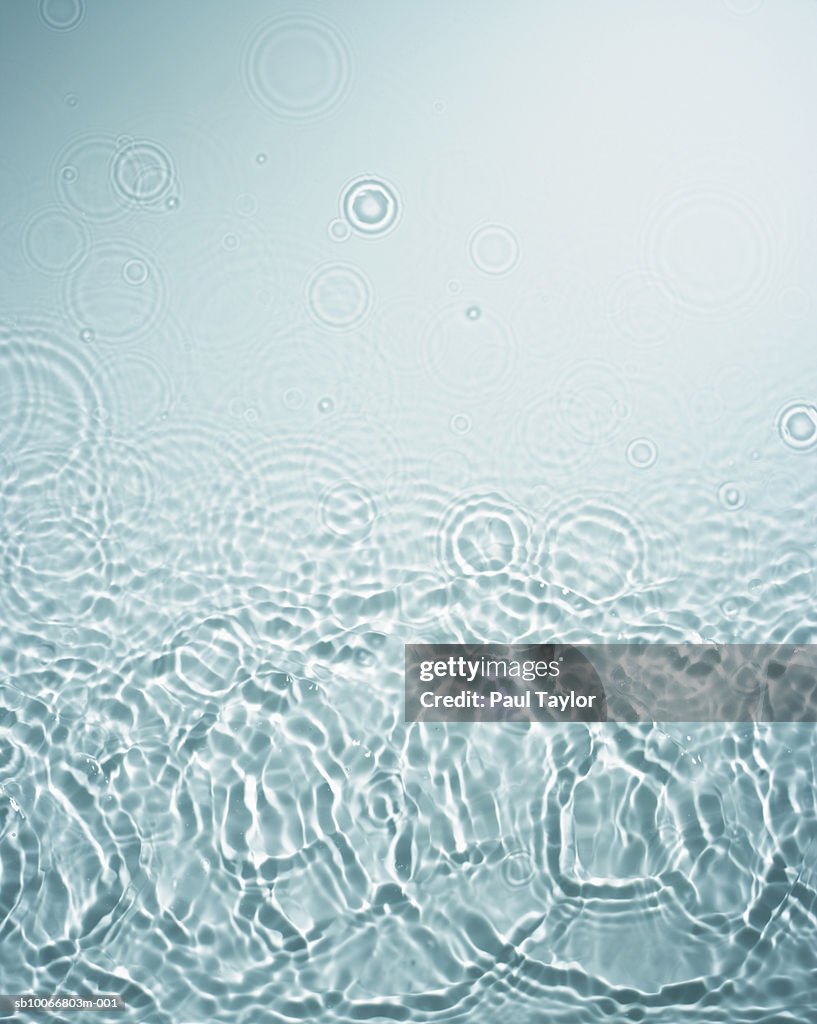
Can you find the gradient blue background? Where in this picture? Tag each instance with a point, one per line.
(247, 452)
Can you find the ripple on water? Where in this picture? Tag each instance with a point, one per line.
(62, 15)
(54, 242)
(118, 292)
(298, 68)
(82, 177)
(493, 249)
(483, 534)
(641, 310)
(143, 173)
(47, 387)
(469, 357)
(596, 548)
(339, 296)
(594, 401)
(711, 250)
(55, 566)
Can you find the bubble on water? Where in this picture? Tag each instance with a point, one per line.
(326, 405)
(642, 453)
(117, 293)
(298, 68)
(71, 99)
(135, 272)
(348, 511)
(338, 230)
(142, 172)
(493, 249)
(339, 296)
(371, 206)
(261, 158)
(469, 355)
(293, 398)
(172, 202)
(797, 425)
(731, 496)
(473, 312)
(62, 15)
(54, 242)
(231, 241)
(86, 335)
(482, 534)
(460, 423)
(710, 250)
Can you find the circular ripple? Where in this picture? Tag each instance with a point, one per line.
(298, 68)
(370, 206)
(594, 401)
(107, 483)
(142, 172)
(642, 453)
(469, 356)
(53, 565)
(493, 249)
(138, 389)
(797, 425)
(711, 252)
(348, 511)
(118, 292)
(482, 534)
(518, 869)
(339, 296)
(641, 310)
(83, 180)
(47, 390)
(54, 242)
(596, 549)
(62, 15)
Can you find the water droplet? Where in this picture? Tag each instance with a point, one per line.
(86, 335)
(731, 496)
(338, 230)
(172, 202)
(261, 158)
(642, 453)
(370, 206)
(231, 241)
(460, 423)
(71, 99)
(797, 425)
(69, 173)
(326, 405)
(473, 312)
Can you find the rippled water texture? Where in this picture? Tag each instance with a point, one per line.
(329, 328)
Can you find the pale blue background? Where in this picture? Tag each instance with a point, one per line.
(226, 508)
